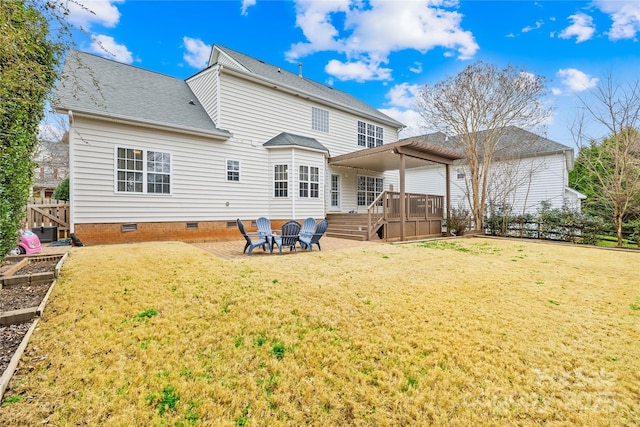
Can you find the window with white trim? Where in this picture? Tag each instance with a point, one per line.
(137, 167)
(369, 135)
(320, 119)
(309, 181)
(233, 170)
(281, 181)
(460, 173)
(369, 188)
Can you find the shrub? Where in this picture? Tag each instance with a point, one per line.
(459, 221)
(62, 190)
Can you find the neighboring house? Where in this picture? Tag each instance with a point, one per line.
(528, 170)
(153, 157)
(52, 158)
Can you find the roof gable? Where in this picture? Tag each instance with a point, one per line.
(294, 82)
(94, 85)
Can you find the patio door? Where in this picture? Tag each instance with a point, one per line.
(335, 192)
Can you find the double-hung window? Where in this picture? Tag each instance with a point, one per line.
(281, 181)
(233, 170)
(369, 135)
(309, 181)
(143, 171)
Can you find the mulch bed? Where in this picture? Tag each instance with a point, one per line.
(17, 297)
(10, 338)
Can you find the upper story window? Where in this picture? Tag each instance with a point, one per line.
(233, 170)
(320, 119)
(281, 181)
(369, 135)
(309, 181)
(143, 171)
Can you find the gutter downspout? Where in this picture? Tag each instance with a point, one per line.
(71, 175)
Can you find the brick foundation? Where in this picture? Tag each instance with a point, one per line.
(206, 231)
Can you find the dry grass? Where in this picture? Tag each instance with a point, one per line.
(470, 332)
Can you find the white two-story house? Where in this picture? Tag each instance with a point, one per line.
(153, 157)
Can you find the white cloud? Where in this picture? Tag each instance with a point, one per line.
(402, 95)
(532, 28)
(582, 28)
(576, 80)
(366, 33)
(198, 52)
(625, 15)
(359, 71)
(410, 118)
(556, 91)
(84, 13)
(417, 67)
(106, 46)
(246, 4)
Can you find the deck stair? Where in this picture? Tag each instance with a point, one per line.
(348, 226)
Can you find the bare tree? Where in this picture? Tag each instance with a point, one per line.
(482, 98)
(612, 162)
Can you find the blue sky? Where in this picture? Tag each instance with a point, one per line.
(380, 51)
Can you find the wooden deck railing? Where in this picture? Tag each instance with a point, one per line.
(386, 207)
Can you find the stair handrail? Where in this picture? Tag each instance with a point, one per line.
(381, 219)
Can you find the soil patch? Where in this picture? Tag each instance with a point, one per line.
(10, 339)
(15, 297)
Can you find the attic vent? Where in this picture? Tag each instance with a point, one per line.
(129, 227)
(192, 226)
(231, 224)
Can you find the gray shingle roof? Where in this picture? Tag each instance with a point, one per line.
(515, 142)
(95, 85)
(303, 85)
(285, 139)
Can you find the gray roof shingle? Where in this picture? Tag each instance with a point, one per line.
(314, 89)
(285, 139)
(515, 142)
(95, 85)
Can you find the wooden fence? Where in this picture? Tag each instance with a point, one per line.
(55, 213)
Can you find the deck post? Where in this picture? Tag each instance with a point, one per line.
(402, 199)
(448, 187)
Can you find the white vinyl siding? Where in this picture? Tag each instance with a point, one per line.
(523, 184)
(205, 87)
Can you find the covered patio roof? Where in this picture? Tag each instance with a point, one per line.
(388, 157)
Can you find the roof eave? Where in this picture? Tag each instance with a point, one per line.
(299, 147)
(221, 135)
